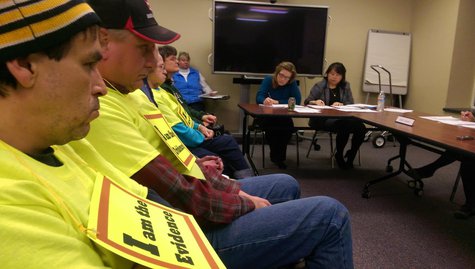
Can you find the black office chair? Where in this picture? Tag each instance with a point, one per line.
(257, 129)
(317, 147)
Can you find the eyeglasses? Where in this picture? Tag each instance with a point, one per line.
(283, 76)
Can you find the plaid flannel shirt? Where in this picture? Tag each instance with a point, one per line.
(214, 201)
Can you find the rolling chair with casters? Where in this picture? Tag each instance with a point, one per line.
(418, 186)
(403, 167)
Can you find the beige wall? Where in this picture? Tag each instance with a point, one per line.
(433, 33)
(433, 24)
(463, 61)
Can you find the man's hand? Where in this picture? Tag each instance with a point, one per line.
(211, 166)
(258, 201)
(209, 119)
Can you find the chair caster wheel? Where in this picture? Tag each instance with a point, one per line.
(419, 192)
(411, 184)
(389, 168)
(316, 147)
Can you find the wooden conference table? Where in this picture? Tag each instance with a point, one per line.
(424, 133)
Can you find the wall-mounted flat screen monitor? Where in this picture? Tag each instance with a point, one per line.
(251, 38)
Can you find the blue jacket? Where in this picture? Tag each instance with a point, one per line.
(191, 88)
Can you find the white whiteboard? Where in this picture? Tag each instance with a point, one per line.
(392, 50)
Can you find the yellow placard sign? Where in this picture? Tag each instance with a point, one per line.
(185, 117)
(172, 140)
(145, 232)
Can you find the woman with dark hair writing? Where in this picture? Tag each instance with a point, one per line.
(334, 90)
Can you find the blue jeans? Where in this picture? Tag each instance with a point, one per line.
(316, 229)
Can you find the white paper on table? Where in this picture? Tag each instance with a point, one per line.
(462, 123)
(307, 110)
(321, 107)
(440, 118)
(354, 109)
(471, 125)
(451, 121)
(361, 106)
(398, 110)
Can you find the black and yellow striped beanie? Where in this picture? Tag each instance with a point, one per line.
(28, 26)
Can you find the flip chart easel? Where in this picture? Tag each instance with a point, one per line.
(391, 50)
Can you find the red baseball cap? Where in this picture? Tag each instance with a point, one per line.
(135, 16)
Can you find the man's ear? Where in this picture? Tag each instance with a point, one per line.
(23, 71)
(104, 39)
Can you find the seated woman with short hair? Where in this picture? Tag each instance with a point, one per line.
(334, 90)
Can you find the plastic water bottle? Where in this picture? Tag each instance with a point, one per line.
(381, 98)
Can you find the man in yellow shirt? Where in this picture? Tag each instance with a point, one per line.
(49, 89)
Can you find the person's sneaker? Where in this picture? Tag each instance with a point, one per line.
(464, 212)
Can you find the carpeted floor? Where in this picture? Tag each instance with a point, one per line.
(394, 228)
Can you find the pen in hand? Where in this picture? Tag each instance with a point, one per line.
(268, 100)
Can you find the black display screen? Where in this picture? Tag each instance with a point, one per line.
(252, 38)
